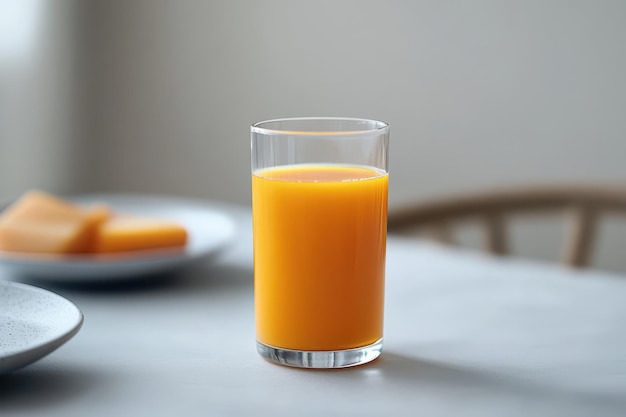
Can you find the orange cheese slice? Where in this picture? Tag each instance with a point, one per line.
(42, 223)
(126, 233)
(96, 216)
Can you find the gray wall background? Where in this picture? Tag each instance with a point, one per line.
(157, 96)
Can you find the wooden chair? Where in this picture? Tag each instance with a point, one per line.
(585, 205)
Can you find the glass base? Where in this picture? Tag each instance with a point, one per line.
(321, 359)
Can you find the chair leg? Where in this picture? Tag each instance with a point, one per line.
(580, 241)
(495, 234)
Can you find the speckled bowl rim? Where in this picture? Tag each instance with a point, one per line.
(66, 319)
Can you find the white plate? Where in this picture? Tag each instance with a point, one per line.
(33, 323)
(209, 230)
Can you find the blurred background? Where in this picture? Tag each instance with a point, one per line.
(157, 96)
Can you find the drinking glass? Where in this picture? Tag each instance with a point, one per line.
(319, 206)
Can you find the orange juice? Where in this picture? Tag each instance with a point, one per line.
(319, 255)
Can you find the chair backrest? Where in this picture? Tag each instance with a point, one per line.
(585, 205)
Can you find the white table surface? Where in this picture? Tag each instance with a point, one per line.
(465, 335)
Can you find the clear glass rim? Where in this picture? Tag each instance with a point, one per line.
(379, 127)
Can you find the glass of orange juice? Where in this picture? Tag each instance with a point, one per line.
(319, 207)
